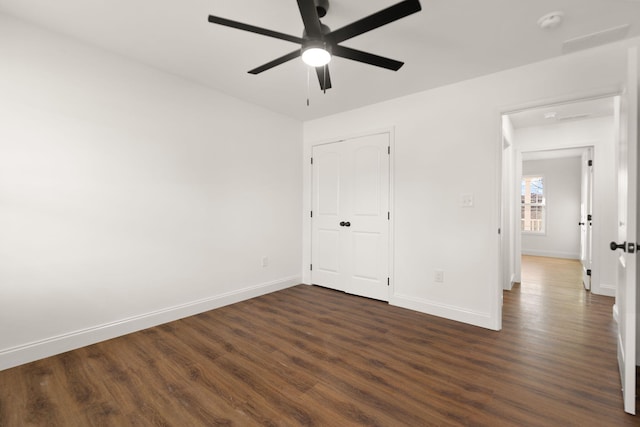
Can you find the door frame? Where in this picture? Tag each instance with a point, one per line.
(502, 209)
(307, 202)
(596, 229)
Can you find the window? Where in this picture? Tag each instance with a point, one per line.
(532, 205)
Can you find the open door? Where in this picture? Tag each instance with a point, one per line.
(626, 245)
(586, 216)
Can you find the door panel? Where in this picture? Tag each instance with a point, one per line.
(365, 255)
(369, 232)
(627, 211)
(586, 209)
(367, 175)
(329, 248)
(326, 234)
(355, 191)
(369, 275)
(328, 183)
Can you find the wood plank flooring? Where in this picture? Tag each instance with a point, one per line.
(315, 357)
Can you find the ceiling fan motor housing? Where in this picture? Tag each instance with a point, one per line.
(324, 28)
(322, 6)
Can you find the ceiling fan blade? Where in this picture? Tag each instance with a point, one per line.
(378, 19)
(367, 58)
(310, 18)
(278, 61)
(323, 77)
(254, 29)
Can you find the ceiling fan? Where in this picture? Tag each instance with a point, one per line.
(319, 43)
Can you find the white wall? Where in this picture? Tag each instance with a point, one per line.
(599, 133)
(130, 197)
(448, 142)
(562, 186)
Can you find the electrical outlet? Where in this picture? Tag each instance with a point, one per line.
(439, 276)
(265, 261)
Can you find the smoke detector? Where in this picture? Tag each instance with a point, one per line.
(551, 20)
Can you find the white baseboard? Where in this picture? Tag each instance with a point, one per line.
(509, 284)
(475, 318)
(30, 352)
(606, 290)
(551, 254)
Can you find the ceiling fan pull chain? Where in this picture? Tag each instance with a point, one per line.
(308, 79)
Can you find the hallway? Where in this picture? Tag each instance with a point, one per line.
(552, 304)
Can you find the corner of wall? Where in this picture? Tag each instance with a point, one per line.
(475, 318)
(30, 352)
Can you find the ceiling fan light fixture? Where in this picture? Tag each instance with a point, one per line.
(316, 56)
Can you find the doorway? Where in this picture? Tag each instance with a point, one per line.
(569, 150)
(615, 212)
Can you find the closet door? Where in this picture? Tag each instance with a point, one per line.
(350, 224)
(327, 250)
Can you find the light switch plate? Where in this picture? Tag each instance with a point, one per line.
(466, 200)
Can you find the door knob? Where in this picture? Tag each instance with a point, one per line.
(614, 246)
(347, 224)
(581, 223)
(342, 223)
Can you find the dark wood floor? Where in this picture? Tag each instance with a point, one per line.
(312, 356)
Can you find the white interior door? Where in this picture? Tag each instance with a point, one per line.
(350, 222)
(627, 238)
(327, 258)
(586, 223)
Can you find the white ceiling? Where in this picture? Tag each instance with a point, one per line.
(560, 113)
(449, 41)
